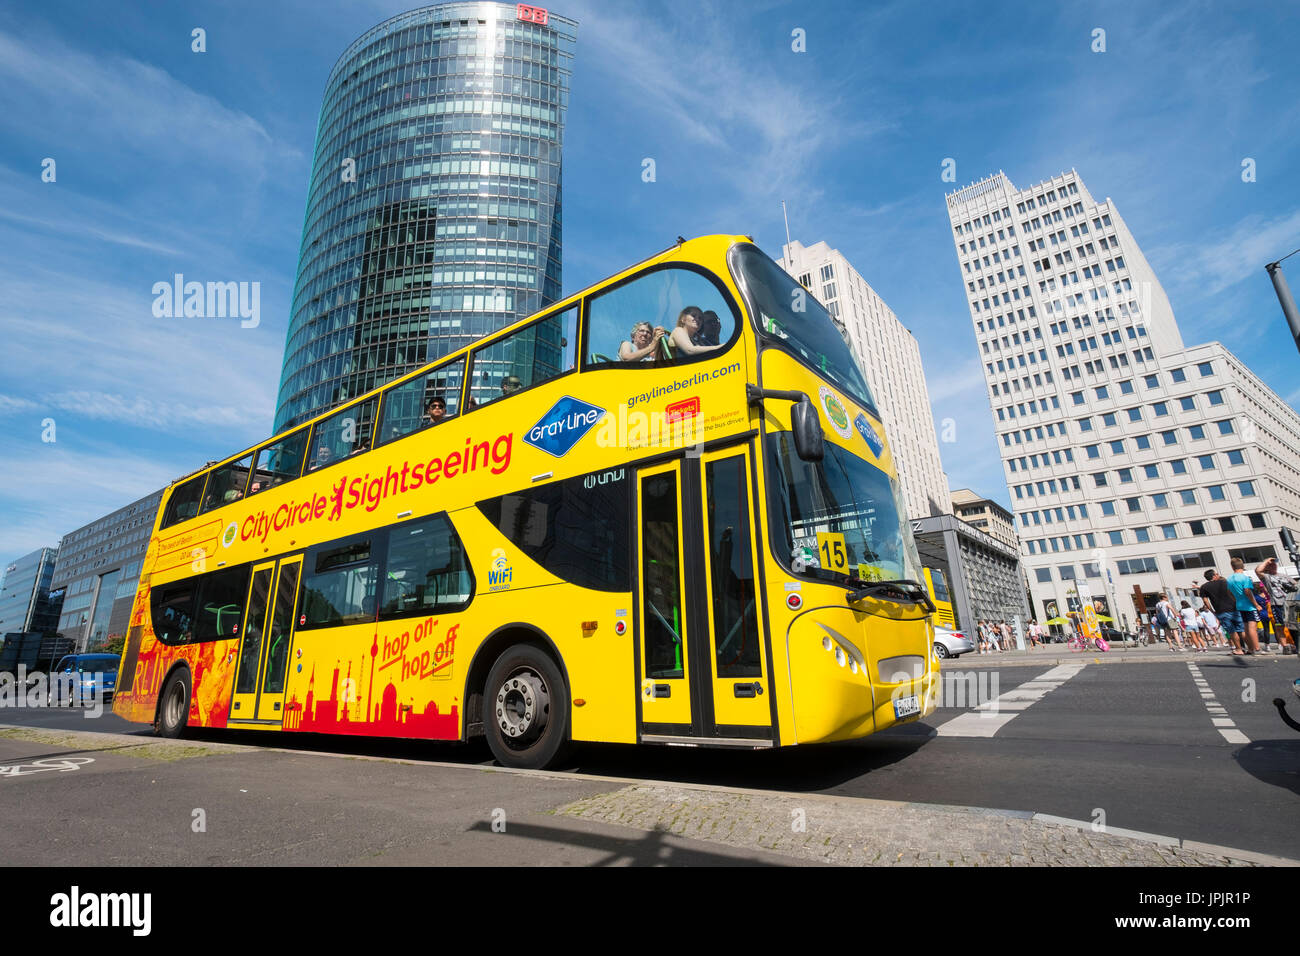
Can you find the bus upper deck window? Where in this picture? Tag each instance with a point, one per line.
(665, 315)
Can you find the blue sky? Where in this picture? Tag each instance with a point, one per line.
(173, 161)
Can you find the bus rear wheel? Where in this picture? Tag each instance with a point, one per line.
(174, 707)
(526, 709)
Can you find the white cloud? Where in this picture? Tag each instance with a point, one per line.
(95, 350)
(55, 489)
(1218, 263)
(73, 96)
(755, 128)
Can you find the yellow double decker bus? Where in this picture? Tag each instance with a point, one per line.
(936, 583)
(664, 510)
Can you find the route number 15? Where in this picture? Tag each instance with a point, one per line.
(834, 553)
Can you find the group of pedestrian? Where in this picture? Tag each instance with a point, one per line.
(1234, 612)
(995, 636)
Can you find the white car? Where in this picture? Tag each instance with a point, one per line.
(950, 643)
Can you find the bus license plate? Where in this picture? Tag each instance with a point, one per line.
(907, 706)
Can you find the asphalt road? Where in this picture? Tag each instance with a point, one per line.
(1141, 744)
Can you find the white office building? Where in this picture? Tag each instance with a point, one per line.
(891, 360)
(1133, 462)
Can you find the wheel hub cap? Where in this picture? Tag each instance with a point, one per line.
(522, 705)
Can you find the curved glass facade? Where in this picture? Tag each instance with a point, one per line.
(433, 213)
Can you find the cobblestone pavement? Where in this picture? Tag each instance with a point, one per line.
(856, 832)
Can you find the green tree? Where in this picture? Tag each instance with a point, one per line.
(112, 644)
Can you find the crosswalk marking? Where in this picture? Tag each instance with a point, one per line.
(987, 719)
(1224, 724)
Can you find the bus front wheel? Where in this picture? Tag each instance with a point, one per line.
(526, 709)
(174, 708)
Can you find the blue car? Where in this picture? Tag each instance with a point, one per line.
(81, 678)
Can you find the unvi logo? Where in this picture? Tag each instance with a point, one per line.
(500, 572)
(869, 433)
(563, 426)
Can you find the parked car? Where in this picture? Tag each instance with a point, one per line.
(80, 678)
(950, 643)
(1114, 636)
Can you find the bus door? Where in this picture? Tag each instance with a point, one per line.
(737, 646)
(264, 650)
(701, 648)
(663, 650)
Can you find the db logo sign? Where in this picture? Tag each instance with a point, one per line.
(529, 14)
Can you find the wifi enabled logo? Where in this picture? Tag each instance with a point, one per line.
(500, 572)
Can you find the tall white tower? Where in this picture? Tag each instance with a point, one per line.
(891, 360)
(1134, 463)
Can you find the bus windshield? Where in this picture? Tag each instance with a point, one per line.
(837, 518)
(788, 314)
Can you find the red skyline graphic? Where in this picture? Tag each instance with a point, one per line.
(387, 718)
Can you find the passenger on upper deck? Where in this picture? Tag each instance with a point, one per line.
(645, 340)
(509, 385)
(435, 411)
(323, 457)
(685, 338)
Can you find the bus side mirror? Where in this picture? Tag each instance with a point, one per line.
(807, 431)
(806, 425)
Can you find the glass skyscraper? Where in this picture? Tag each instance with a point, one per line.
(434, 208)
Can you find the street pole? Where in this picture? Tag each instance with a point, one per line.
(786, 217)
(1284, 297)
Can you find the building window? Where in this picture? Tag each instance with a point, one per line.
(1043, 575)
(1216, 493)
(1197, 528)
(1108, 507)
(1116, 537)
(1142, 535)
(1246, 489)
(1225, 427)
(1178, 375)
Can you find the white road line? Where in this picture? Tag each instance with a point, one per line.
(987, 719)
(1218, 715)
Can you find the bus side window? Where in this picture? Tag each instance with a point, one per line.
(184, 502)
(228, 483)
(533, 355)
(347, 432)
(421, 402)
(664, 315)
(279, 462)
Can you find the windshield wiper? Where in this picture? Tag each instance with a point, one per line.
(909, 590)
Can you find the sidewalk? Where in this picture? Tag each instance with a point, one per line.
(1051, 654)
(112, 799)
